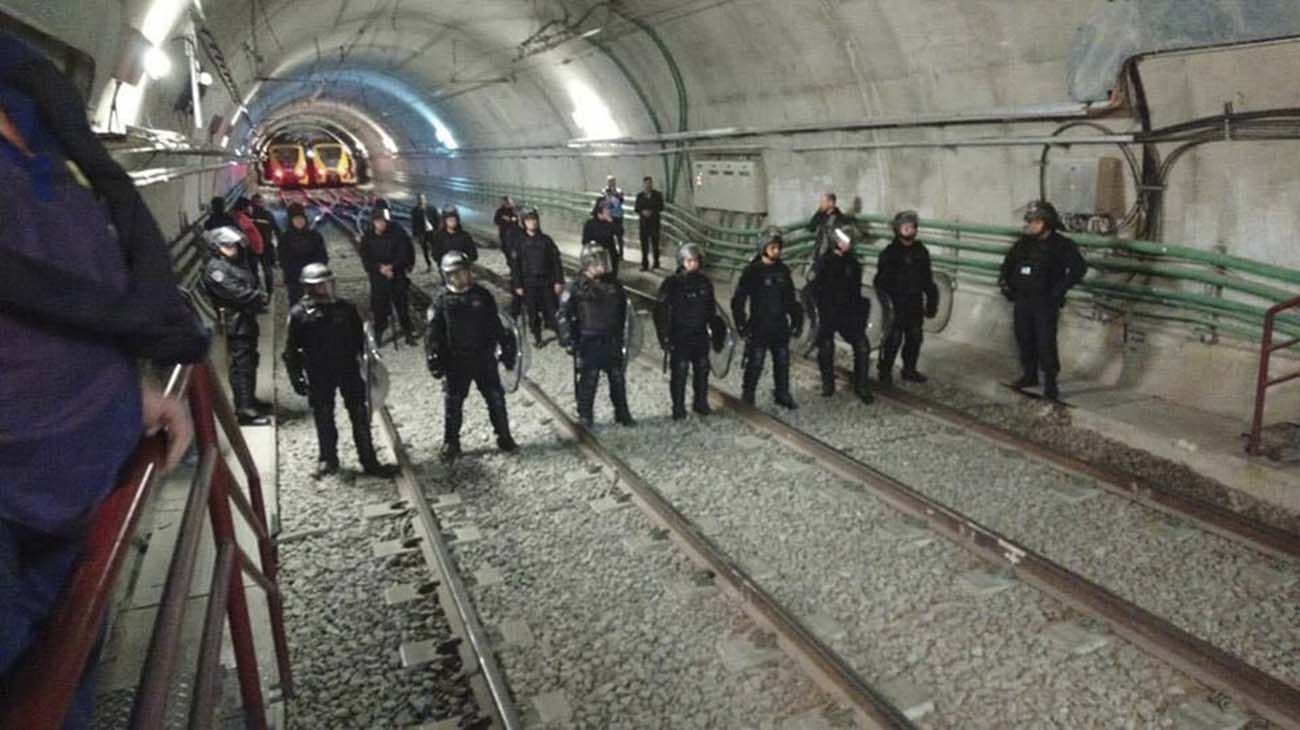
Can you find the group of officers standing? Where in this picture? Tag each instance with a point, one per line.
(467, 340)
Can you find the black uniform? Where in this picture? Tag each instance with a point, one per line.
(653, 202)
(217, 215)
(903, 274)
(266, 225)
(507, 221)
(297, 249)
(603, 233)
(537, 270)
(593, 315)
(685, 312)
(774, 316)
(837, 289)
(234, 290)
(325, 340)
(444, 243)
(1036, 274)
(821, 223)
(424, 223)
(463, 335)
(393, 248)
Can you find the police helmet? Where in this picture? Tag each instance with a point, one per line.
(225, 237)
(845, 234)
(450, 211)
(296, 210)
(380, 212)
(532, 213)
(455, 266)
(593, 254)
(905, 217)
(315, 273)
(771, 234)
(690, 251)
(1041, 210)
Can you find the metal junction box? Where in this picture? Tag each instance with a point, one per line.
(733, 185)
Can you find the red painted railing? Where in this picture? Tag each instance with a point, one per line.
(1254, 442)
(42, 690)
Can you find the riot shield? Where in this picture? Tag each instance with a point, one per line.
(633, 333)
(722, 344)
(375, 374)
(811, 320)
(512, 377)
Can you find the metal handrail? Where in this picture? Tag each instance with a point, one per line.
(1254, 443)
(42, 690)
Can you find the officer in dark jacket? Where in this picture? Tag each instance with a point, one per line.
(827, 217)
(649, 207)
(464, 342)
(538, 275)
(217, 215)
(451, 237)
(686, 318)
(1040, 268)
(321, 356)
(601, 231)
(903, 274)
(266, 225)
(234, 291)
(506, 220)
(837, 289)
(300, 245)
(424, 223)
(774, 316)
(593, 322)
(388, 255)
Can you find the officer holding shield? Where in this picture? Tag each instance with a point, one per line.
(465, 340)
(595, 315)
(687, 321)
(321, 356)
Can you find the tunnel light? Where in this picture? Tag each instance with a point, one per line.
(205, 78)
(590, 113)
(157, 63)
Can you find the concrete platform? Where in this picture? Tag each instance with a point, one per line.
(1205, 440)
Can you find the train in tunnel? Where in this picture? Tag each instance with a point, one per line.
(1078, 219)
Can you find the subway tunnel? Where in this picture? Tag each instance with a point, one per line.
(976, 546)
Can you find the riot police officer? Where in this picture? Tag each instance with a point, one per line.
(1040, 268)
(233, 288)
(593, 323)
(321, 356)
(774, 316)
(464, 337)
(538, 274)
(687, 321)
(841, 309)
(388, 255)
(904, 275)
(451, 237)
(300, 245)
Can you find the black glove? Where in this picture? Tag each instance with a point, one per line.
(742, 329)
(434, 363)
(1006, 292)
(509, 356)
(931, 309)
(299, 384)
(796, 331)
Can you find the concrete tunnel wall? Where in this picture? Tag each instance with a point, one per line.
(772, 62)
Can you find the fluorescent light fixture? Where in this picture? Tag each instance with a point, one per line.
(156, 63)
(590, 113)
(205, 78)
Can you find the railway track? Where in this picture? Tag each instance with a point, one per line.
(1259, 691)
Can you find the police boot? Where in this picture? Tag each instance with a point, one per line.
(1026, 381)
(781, 376)
(1050, 390)
(826, 364)
(677, 388)
(586, 396)
(325, 467)
(245, 411)
(700, 386)
(861, 383)
(449, 452)
(912, 375)
(618, 394)
(500, 419)
(370, 463)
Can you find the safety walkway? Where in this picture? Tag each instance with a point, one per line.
(1208, 443)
